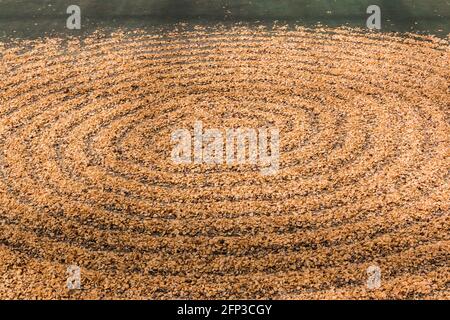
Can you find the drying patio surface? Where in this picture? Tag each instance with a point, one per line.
(86, 176)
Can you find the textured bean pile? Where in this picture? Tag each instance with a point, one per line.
(86, 176)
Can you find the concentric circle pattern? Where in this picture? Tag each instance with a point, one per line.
(86, 176)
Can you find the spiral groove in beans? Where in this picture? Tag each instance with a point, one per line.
(86, 175)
